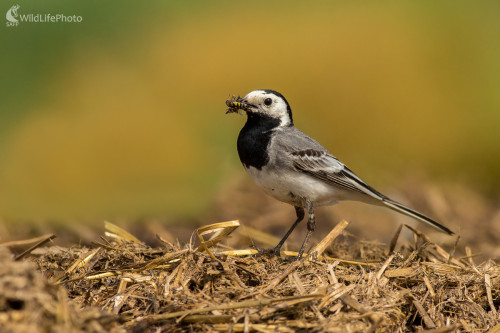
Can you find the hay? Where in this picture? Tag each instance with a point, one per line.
(122, 284)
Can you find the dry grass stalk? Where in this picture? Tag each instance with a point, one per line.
(328, 240)
(123, 284)
(25, 242)
(439, 250)
(487, 282)
(425, 316)
(218, 232)
(394, 240)
(444, 329)
(284, 301)
(116, 232)
(37, 245)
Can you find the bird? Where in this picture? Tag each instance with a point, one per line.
(293, 168)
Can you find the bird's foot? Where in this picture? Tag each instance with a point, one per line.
(275, 251)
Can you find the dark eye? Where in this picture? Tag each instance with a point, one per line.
(268, 101)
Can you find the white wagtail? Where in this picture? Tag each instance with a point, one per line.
(294, 168)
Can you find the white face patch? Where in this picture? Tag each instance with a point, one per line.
(270, 105)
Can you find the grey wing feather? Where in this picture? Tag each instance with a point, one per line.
(310, 157)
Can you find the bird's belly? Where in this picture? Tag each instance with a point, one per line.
(294, 188)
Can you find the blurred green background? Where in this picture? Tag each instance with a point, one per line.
(122, 115)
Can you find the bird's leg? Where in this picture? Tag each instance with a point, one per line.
(311, 226)
(276, 250)
(300, 216)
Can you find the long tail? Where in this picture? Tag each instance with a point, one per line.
(410, 212)
(374, 194)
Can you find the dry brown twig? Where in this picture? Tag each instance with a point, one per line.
(342, 283)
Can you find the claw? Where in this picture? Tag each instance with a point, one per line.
(266, 252)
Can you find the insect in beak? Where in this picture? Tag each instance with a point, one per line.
(235, 105)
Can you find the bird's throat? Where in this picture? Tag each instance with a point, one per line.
(254, 138)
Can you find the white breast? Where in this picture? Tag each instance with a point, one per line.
(294, 187)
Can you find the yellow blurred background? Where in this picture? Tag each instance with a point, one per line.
(122, 115)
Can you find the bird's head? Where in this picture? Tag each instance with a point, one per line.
(264, 104)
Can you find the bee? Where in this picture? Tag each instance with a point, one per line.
(234, 105)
